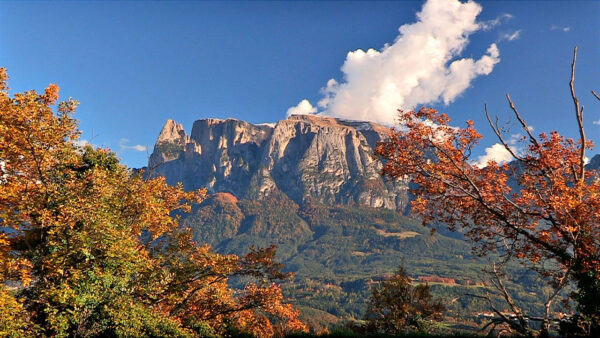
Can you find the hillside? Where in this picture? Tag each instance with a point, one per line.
(311, 186)
(337, 252)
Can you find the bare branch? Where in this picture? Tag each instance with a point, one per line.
(502, 318)
(596, 95)
(561, 284)
(516, 310)
(499, 135)
(579, 115)
(522, 122)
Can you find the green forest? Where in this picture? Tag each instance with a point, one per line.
(338, 253)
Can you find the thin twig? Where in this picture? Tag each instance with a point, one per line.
(522, 122)
(499, 135)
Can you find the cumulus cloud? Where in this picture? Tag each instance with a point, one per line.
(511, 36)
(303, 108)
(496, 153)
(123, 144)
(421, 66)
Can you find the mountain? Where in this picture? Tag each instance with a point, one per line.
(311, 186)
(306, 157)
(594, 163)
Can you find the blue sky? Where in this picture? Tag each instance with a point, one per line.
(133, 65)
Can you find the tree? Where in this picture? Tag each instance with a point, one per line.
(543, 209)
(88, 248)
(516, 321)
(395, 306)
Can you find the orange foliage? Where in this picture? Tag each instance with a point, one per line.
(545, 207)
(93, 249)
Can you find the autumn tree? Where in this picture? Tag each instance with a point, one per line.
(542, 209)
(88, 248)
(396, 306)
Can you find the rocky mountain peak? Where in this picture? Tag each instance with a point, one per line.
(172, 132)
(306, 157)
(171, 141)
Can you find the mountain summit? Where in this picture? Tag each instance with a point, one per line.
(306, 157)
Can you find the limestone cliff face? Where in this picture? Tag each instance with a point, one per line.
(306, 157)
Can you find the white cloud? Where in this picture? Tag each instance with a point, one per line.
(303, 108)
(496, 153)
(487, 25)
(560, 28)
(138, 147)
(511, 36)
(597, 122)
(420, 67)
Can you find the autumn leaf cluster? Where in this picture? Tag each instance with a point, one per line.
(90, 248)
(543, 209)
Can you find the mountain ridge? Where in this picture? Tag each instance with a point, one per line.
(305, 156)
